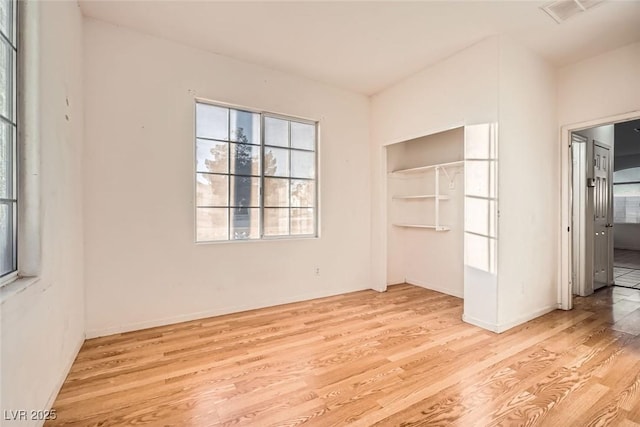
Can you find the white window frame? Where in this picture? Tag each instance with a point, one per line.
(28, 149)
(316, 180)
(10, 41)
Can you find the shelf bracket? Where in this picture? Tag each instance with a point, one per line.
(449, 177)
(446, 173)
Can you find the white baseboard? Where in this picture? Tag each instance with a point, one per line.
(452, 292)
(479, 323)
(64, 373)
(395, 281)
(502, 327)
(523, 319)
(136, 326)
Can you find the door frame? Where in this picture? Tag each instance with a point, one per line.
(565, 271)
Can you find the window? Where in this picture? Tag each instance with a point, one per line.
(481, 197)
(626, 196)
(255, 175)
(8, 139)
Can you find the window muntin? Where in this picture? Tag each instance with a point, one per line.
(255, 175)
(8, 139)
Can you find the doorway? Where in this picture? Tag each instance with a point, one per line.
(626, 204)
(604, 247)
(592, 208)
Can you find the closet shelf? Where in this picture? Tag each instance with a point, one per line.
(426, 168)
(420, 196)
(432, 227)
(438, 170)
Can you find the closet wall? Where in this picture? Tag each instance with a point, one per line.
(501, 83)
(426, 257)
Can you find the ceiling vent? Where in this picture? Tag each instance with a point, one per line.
(561, 10)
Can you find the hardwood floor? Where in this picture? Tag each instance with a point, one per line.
(399, 358)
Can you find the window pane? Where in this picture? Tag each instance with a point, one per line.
(480, 215)
(7, 241)
(245, 191)
(276, 221)
(6, 161)
(303, 136)
(302, 221)
(477, 251)
(276, 192)
(212, 224)
(212, 190)
(480, 178)
(6, 80)
(245, 223)
(303, 193)
(479, 142)
(212, 156)
(212, 122)
(6, 15)
(276, 132)
(303, 164)
(245, 127)
(276, 161)
(245, 159)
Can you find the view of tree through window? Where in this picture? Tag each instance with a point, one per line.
(255, 175)
(8, 133)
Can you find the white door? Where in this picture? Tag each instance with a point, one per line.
(602, 215)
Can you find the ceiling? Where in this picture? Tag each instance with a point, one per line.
(366, 46)
(627, 138)
(627, 145)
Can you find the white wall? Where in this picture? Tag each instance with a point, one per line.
(43, 325)
(528, 189)
(600, 87)
(462, 89)
(594, 90)
(494, 81)
(142, 267)
(626, 236)
(420, 256)
(604, 134)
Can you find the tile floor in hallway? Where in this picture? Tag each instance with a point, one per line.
(626, 270)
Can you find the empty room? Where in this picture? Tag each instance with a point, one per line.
(282, 213)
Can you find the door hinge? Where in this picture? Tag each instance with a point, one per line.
(568, 229)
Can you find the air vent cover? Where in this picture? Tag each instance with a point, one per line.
(561, 10)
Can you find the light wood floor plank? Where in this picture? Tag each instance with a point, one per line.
(402, 357)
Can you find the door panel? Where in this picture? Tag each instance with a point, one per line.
(601, 215)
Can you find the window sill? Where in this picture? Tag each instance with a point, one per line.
(268, 239)
(16, 286)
